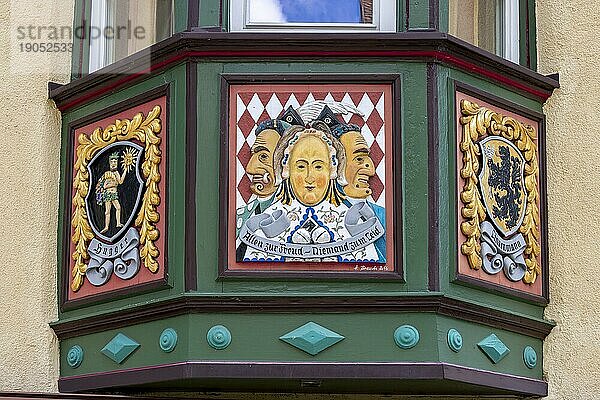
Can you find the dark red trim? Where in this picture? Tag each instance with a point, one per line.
(442, 56)
(338, 377)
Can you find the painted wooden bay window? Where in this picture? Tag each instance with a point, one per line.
(270, 200)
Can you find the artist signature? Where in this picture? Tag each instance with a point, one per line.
(371, 268)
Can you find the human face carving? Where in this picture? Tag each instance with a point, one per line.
(310, 170)
(260, 166)
(113, 164)
(359, 166)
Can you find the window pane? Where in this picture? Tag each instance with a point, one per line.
(492, 25)
(127, 26)
(474, 21)
(310, 11)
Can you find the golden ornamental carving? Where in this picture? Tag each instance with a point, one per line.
(478, 122)
(146, 131)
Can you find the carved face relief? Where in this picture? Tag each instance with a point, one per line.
(260, 166)
(359, 166)
(310, 170)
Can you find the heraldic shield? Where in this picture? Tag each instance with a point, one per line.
(115, 189)
(502, 184)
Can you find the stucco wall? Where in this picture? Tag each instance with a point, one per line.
(568, 44)
(29, 171)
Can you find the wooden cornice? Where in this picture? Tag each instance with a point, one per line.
(191, 304)
(426, 46)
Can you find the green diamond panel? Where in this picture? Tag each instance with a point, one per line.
(119, 348)
(312, 338)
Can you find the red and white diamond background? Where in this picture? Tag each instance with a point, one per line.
(256, 105)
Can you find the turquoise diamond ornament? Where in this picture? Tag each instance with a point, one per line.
(494, 348)
(312, 338)
(119, 348)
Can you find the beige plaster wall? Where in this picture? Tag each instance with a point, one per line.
(568, 43)
(29, 173)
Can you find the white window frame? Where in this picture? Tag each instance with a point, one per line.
(384, 20)
(98, 54)
(509, 32)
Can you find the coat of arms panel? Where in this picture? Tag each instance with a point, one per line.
(310, 177)
(499, 196)
(117, 224)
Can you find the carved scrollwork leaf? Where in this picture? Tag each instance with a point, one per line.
(145, 130)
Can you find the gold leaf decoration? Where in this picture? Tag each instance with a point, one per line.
(476, 123)
(146, 131)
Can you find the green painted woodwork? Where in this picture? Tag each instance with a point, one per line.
(406, 337)
(447, 191)
(168, 340)
(312, 338)
(368, 338)
(455, 340)
(529, 357)
(225, 14)
(119, 348)
(414, 180)
(414, 165)
(75, 356)
(80, 50)
(471, 354)
(180, 14)
(494, 348)
(443, 15)
(210, 11)
(401, 16)
(176, 179)
(532, 36)
(418, 14)
(218, 337)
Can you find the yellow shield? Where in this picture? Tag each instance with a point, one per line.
(502, 183)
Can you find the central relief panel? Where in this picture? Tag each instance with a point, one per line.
(310, 178)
